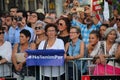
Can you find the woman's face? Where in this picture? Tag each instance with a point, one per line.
(33, 18)
(112, 36)
(102, 30)
(23, 38)
(73, 33)
(51, 33)
(39, 29)
(1, 35)
(62, 25)
(93, 39)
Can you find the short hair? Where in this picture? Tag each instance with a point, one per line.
(96, 33)
(51, 25)
(26, 33)
(106, 25)
(78, 30)
(24, 13)
(41, 16)
(40, 22)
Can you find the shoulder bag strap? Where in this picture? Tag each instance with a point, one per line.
(45, 45)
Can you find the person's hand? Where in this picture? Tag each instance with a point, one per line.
(90, 48)
(97, 61)
(102, 59)
(20, 66)
(17, 68)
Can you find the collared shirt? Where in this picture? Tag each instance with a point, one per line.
(11, 35)
(74, 50)
(6, 36)
(84, 30)
(17, 33)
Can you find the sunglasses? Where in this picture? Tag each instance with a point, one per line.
(60, 24)
(39, 28)
(118, 19)
(1, 33)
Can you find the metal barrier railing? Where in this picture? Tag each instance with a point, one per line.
(67, 68)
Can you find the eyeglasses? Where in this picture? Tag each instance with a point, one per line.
(1, 33)
(34, 16)
(50, 30)
(73, 32)
(60, 24)
(39, 28)
(118, 19)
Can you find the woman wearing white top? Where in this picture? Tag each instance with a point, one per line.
(52, 43)
(5, 54)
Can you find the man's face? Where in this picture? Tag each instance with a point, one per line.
(21, 21)
(13, 11)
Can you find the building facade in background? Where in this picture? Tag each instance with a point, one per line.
(33, 5)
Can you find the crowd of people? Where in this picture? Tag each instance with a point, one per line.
(79, 32)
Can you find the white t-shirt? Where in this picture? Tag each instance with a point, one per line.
(53, 71)
(5, 52)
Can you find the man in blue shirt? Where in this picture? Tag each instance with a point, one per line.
(21, 18)
(91, 23)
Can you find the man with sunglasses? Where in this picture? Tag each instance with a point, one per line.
(21, 18)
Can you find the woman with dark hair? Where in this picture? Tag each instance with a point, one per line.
(102, 30)
(64, 28)
(52, 42)
(19, 50)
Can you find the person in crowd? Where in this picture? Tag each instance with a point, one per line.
(113, 19)
(11, 32)
(52, 42)
(75, 50)
(21, 22)
(5, 27)
(40, 32)
(19, 49)
(33, 19)
(93, 42)
(2, 18)
(64, 28)
(102, 30)
(8, 21)
(41, 16)
(90, 23)
(13, 11)
(5, 55)
(49, 19)
(28, 18)
(118, 24)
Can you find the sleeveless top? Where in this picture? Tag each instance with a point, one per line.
(74, 50)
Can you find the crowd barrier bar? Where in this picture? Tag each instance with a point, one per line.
(74, 65)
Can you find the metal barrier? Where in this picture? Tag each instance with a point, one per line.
(91, 73)
(37, 74)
